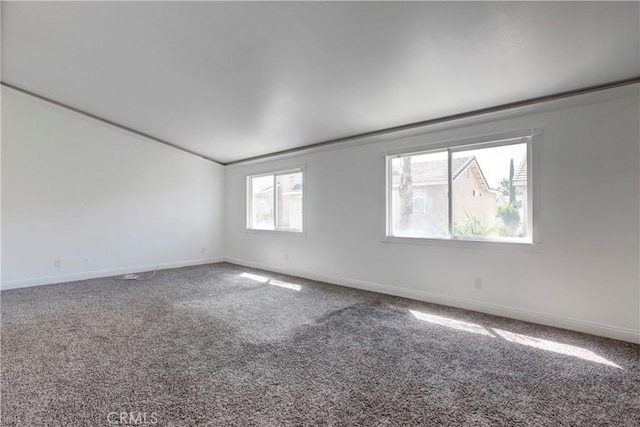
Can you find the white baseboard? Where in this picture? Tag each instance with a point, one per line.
(593, 328)
(70, 277)
(599, 329)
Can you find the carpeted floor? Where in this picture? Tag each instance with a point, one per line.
(226, 345)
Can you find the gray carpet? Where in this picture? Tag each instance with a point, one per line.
(207, 346)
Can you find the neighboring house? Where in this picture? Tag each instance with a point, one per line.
(472, 196)
(520, 180)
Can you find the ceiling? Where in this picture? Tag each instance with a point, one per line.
(231, 81)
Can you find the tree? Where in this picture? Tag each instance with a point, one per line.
(504, 187)
(405, 190)
(507, 188)
(509, 215)
(472, 226)
(512, 191)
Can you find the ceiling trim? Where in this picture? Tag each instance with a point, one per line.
(443, 119)
(109, 122)
(346, 139)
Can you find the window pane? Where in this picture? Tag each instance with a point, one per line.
(289, 198)
(490, 191)
(262, 202)
(419, 202)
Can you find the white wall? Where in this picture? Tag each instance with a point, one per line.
(584, 275)
(76, 188)
(73, 187)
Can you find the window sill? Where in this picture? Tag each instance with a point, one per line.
(277, 232)
(459, 242)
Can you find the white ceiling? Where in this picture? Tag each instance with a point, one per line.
(235, 80)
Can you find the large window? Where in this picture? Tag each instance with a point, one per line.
(275, 201)
(477, 191)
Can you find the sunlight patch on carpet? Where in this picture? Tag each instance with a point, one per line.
(264, 279)
(555, 347)
(285, 285)
(257, 278)
(566, 349)
(451, 323)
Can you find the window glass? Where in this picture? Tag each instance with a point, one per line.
(475, 192)
(496, 179)
(275, 201)
(421, 177)
(262, 202)
(289, 199)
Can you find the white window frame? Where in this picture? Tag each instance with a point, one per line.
(532, 137)
(249, 201)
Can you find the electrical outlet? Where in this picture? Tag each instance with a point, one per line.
(86, 260)
(286, 256)
(57, 263)
(477, 283)
(202, 250)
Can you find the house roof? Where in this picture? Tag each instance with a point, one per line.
(435, 171)
(520, 176)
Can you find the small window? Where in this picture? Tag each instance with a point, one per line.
(478, 192)
(419, 202)
(275, 201)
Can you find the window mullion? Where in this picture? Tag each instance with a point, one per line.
(275, 203)
(389, 183)
(250, 202)
(450, 192)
